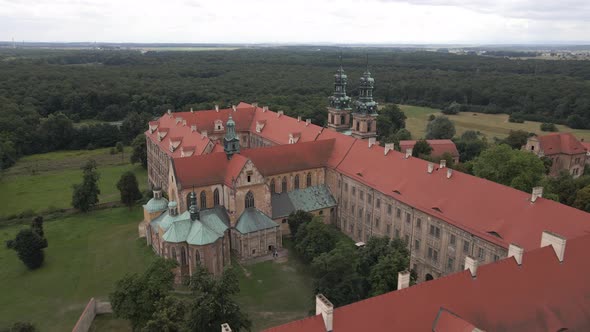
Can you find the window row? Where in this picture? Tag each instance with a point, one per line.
(296, 184)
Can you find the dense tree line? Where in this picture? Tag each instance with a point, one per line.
(109, 85)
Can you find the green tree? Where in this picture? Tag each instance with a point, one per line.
(380, 261)
(582, 200)
(518, 169)
(134, 124)
(128, 188)
(440, 128)
(516, 139)
(421, 149)
(313, 239)
(548, 126)
(29, 248)
(137, 297)
(57, 131)
(452, 109)
(169, 316)
(390, 120)
(119, 147)
(335, 274)
(8, 154)
(139, 148)
(20, 327)
(85, 194)
(296, 219)
(213, 302)
(470, 145)
(37, 226)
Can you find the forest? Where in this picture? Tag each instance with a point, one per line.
(53, 99)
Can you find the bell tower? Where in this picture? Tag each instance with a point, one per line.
(364, 117)
(339, 109)
(231, 142)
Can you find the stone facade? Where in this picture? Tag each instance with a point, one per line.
(567, 156)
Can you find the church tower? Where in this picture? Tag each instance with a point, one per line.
(231, 142)
(339, 109)
(364, 117)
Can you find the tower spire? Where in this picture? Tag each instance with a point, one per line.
(339, 108)
(193, 209)
(364, 117)
(231, 142)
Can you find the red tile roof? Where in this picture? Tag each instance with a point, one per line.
(175, 131)
(291, 157)
(449, 322)
(542, 294)
(565, 143)
(342, 144)
(277, 128)
(476, 205)
(439, 146)
(209, 169)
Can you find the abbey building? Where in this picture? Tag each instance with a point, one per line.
(233, 175)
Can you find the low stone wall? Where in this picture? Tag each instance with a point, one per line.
(92, 309)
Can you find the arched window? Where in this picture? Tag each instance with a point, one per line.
(173, 253)
(358, 126)
(182, 256)
(284, 185)
(296, 182)
(203, 200)
(272, 186)
(249, 201)
(197, 257)
(216, 197)
(308, 180)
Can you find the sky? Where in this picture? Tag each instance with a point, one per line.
(301, 21)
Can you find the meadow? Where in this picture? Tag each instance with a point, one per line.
(87, 254)
(44, 182)
(491, 125)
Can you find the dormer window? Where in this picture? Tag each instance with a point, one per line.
(249, 176)
(218, 125)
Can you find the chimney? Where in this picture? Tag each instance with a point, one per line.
(307, 122)
(216, 108)
(299, 118)
(556, 241)
(254, 105)
(192, 110)
(516, 252)
(471, 265)
(193, 128)
(204, 134)
(388, 147)
(409, 152)
(537, 193)
(443, 163)
(225, 327)
(449, 173)
(430, 168)
(279, 113)
(169, 112)
(233, 107)
(264, 108)
(403, 279)
(326, 309)
(184, 123)
(372, 141)
(172, 208)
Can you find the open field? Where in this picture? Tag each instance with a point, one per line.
(491, 125)
(87, 254)
(275, 292)
(44, 181)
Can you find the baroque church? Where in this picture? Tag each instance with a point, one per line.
(232, 176)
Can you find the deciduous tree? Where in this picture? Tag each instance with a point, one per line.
(128, 189)
(139, 151)
(85, 194)
(440, 128)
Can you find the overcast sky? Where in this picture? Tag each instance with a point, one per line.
(301, 21)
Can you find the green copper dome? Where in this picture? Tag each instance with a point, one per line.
(156, 204)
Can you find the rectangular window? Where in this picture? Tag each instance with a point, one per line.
(450, 263)
(429, 252)
(419, 223)
(345, 205)
(496, 258)
(369, 199)
(361, 195)
(407, 239)
(346, 187)
(377, 222)
(435, 231)
(389, 209)
(417, 244)
(437, 234)
(466, 247)
(339, 183)
(408, 218)
(398, 213)
(353, 190)
(378, 203)
(453, 239)
(397, 233)
(481, 254)
(360, 213)
(368, 217)
(388, 229)
(435, 256)
(352, 209)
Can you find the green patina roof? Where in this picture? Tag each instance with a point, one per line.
(155, 205)
(253, 220)
(180, 228)
(307, 199)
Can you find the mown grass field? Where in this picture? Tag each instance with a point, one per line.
(87, 254)
(491, 125)
(44, 181)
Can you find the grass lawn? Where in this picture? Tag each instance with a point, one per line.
(274, 293)
(45, 181)
(491, 125)
(87, 254)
